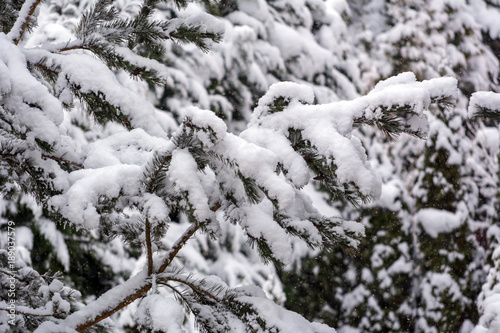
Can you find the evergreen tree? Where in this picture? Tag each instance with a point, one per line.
(484, 105)
(96, 157)
(423, 268)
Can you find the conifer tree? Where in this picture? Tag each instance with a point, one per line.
(412, 276)
(99, 159)
(484, 105)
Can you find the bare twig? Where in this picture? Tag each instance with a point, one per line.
(148, 247)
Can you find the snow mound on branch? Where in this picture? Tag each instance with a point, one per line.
(276, 316)
(435, 221)
(38, 113)
(161, 314)
(483, 100)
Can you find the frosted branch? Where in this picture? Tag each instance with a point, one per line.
(23, 20)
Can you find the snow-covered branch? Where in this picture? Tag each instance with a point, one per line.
(24, 20)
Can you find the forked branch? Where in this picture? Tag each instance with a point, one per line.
(134, 288)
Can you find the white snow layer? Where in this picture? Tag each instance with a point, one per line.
(435, 221)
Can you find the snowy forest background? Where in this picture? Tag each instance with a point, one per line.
(212, 156)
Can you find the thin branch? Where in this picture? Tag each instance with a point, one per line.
(91, 320)
(74, 47)
(9, 273)
(169, 257)
(24, 310)
(192, 286)
(87, 318)
(178, 293)
(62, 160)
(25, 21)
(148, 247)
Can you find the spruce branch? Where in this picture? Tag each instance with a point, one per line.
(8, 14)
(23, 22)
(100, 109)
(393, 121)
(196, 286)
(156, 171)
(488, 113)
(485, 105)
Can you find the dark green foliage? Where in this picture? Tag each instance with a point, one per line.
(325, 171)
(330, 277)
(8, 14)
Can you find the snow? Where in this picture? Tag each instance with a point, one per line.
(486, 17)
(93, 76)
(435, 221)
(79, 202)
(483, 99)
(183, 174)
(22, 90)
(265, 43)
(160, 313)
(56, 239)
(283, 320)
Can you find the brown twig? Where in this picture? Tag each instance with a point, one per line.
(129, 299)
(169, 257)
(148, 247)
(27, 20)
(62, 160)
(74, 47)
(147, 284)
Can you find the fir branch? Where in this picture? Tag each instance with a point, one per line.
(23, 22)
(198, 288)
(196, 35)
(100, 109)
(325, 170)
(155, 172)
(9, 11)
(487, 113)
(131, 288)
(393, 121)
(93, 19)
